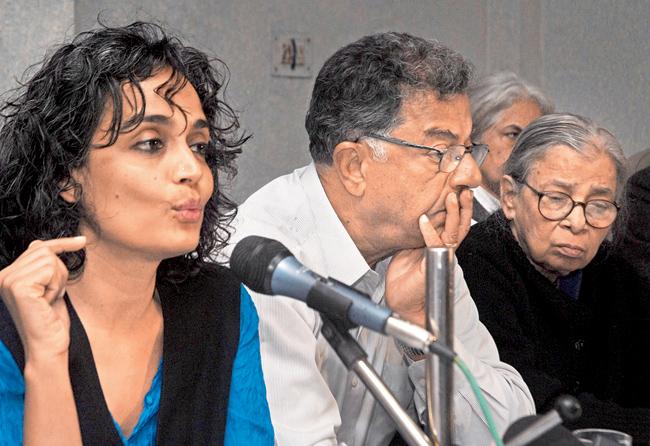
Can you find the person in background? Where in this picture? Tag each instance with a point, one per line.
(635, 236)
(563, 308)
(389, 128)
(503, 105)
(115, 328)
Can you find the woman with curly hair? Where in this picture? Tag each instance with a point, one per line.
(115, 328)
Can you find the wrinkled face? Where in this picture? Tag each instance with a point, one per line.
(408, 183)
(147, 191)
(501, 138)
(560, 247)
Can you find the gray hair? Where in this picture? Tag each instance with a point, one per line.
(360, 89)
(577, 132)
(495, 93)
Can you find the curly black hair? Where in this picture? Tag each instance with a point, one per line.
(48, 125)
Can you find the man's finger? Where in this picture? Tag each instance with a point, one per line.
(429, 233)
(466, 205)
(449, 235)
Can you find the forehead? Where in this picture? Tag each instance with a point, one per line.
(157, 90)
(569, 169)
(427, 113)
(521, 113)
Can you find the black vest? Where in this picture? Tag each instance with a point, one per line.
(200, 340)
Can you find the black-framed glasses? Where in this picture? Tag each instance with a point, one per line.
(556, 206)
(448, 158)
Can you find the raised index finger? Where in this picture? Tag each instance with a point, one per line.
(60, 245)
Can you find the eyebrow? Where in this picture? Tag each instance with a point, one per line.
(441, 133)
(598, 190)
(162, 119)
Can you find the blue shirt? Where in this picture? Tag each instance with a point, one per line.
(248, 421)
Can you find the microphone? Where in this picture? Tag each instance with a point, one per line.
(268, 267)
(546, 430)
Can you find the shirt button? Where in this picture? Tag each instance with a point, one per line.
(148, 400)
(355, 381)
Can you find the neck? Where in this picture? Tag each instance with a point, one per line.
(115, 289)
(550, 275)
(493, 189)
(348, 208)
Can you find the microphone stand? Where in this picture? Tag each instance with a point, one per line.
(439, 309)
(354, 358)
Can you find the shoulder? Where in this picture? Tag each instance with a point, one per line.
(282, 196)
(213, 287)
(486, 237)
(641, 179)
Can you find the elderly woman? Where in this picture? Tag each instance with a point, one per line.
(502, 106)
(114, 326)
(566, 313)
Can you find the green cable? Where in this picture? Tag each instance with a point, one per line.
(481, 400)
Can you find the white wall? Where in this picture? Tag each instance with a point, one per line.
(591, 56)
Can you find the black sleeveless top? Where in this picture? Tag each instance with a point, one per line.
(200, 340)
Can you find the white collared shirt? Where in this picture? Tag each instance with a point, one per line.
(489, 202)
(313, 398)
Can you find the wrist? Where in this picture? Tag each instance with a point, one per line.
(38, 366)
(413, 354)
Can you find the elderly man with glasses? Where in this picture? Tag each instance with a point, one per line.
(389, 128)
(564, 309)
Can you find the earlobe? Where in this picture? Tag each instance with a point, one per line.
(70, 190)
(508, 195)
(348, 159)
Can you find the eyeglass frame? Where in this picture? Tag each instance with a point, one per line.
(575, 203)
(441, 153)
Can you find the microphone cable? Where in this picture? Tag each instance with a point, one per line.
(487, 413)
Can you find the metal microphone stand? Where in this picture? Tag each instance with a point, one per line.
(439, 309)
(354, 358)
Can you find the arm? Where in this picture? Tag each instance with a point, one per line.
(249, 421)
(303, 409)
(32, 288)
(502, 386)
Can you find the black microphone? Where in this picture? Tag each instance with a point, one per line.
(547, 429)
(268, 267)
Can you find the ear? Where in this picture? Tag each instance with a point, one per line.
(70, 189)
(349, 161)
(508, 196)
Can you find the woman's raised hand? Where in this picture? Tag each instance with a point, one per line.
(32, 288)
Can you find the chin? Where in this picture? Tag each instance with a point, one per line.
(181, 247)
(565, 268)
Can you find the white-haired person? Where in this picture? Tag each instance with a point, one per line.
(562, 307)
(502, 106)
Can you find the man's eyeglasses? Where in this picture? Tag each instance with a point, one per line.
(449, 157)
(558, 205)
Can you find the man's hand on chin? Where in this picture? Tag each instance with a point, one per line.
(405, 277)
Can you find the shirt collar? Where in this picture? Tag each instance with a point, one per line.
(489, 202)
(343, 259)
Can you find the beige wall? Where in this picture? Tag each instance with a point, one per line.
(591, 56)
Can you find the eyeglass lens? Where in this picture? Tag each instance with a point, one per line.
(598, 213)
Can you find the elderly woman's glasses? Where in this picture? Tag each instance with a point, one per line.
(558, 205)
(449, 157)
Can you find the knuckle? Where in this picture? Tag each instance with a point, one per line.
(35, 243)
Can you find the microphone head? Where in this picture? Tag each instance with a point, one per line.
(254, 259)
(569, 408)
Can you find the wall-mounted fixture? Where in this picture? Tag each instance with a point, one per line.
(291, 55)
